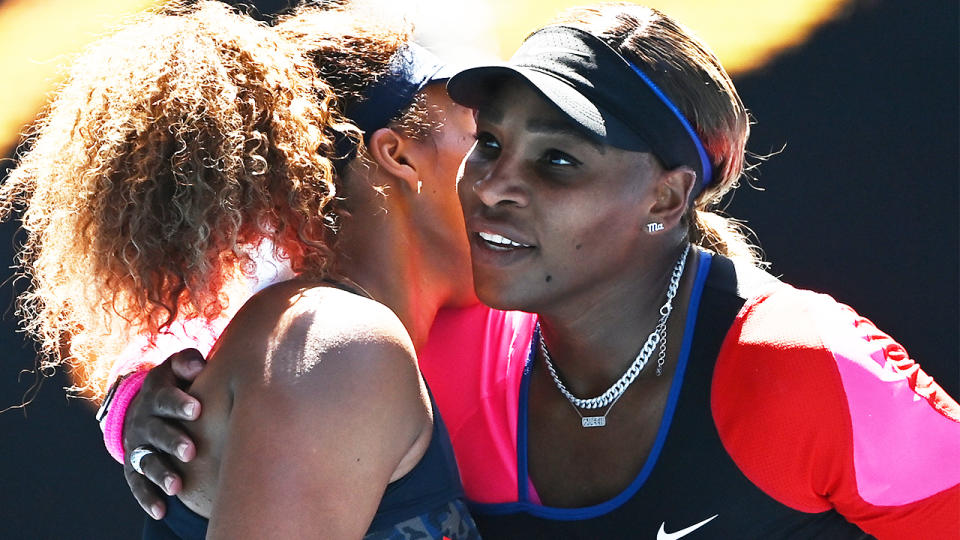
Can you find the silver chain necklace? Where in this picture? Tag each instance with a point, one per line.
(657, 337)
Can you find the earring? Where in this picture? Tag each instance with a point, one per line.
(654, 227)
(419, 186)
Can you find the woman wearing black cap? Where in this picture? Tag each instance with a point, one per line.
(671, 387)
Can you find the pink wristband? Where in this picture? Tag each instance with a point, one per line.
(113, 423)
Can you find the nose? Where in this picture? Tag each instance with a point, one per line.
(502, 188)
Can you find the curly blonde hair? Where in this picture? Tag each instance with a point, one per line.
(175, 144)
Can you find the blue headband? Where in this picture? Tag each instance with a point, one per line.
(411, 69)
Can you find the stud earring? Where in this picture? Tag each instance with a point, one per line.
(654, 227)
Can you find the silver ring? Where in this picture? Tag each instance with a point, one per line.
(137, 455)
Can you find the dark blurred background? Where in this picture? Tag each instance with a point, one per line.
(861, 203)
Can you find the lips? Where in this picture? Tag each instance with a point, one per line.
(498, 242)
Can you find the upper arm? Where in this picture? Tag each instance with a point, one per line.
(318, 427)
(822, 410)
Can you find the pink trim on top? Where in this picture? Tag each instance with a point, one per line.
(532, 494)
(473, 362)
(904, 449)
(113, 423)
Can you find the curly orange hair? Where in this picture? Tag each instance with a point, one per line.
(175, 143)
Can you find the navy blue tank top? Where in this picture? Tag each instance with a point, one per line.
(427, 502)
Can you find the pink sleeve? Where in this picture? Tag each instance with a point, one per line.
(822, 410)
(113, 422)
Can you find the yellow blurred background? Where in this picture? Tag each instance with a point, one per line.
(38, 37)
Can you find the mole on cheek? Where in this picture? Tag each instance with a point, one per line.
(549, 277)
(579, 246)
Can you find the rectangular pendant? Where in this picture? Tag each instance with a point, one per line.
(593, 421)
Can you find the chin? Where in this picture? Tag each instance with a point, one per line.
(499, 297)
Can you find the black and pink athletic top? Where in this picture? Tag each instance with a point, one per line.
(790, 416)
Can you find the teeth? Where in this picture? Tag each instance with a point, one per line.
(501, 240)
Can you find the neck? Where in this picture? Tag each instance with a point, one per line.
(593, 347)
(379, 250)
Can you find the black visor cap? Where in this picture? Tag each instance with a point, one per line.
(597, 89)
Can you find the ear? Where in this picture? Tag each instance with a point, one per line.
(395, 155)
(672, 191)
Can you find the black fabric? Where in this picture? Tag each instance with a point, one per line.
(427, 489)
(179, 522)
(432, 482)
(693, 466)
(612, 100)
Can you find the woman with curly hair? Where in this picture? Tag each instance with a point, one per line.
(182, 152)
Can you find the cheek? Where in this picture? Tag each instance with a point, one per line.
(450, 155)
(451, 162)
(466, 177)
(446, 168)
(457, 138)
(463, 188)
(592, 230)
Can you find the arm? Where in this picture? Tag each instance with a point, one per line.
(821, 410)
(318, 427)
(148, 405)
(151, 416)
(165, 398)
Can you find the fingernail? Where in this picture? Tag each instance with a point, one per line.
(156, 512)
(195, 365)
(182, 451)
(190, 409)
(168, 485)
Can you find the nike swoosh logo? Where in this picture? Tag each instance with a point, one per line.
(662, 534)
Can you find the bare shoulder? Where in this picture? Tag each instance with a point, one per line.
(324, 383)
(296, 331)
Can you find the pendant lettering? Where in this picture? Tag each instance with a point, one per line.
(593, 421)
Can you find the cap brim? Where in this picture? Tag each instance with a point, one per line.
(474, 86)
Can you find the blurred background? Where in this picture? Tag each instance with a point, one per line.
(857, 99)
